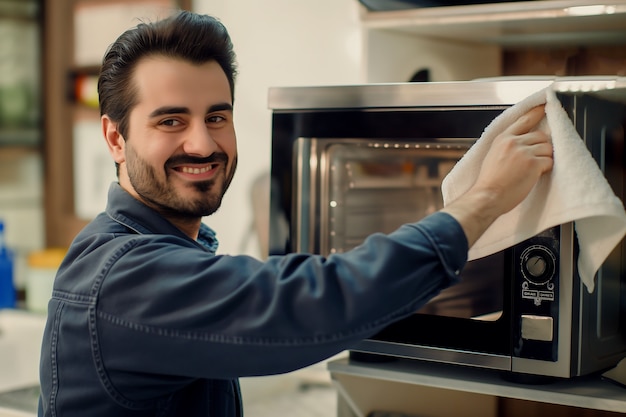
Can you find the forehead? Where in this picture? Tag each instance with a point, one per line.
(164, 80)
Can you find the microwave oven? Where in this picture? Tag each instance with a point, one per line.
(349, 161)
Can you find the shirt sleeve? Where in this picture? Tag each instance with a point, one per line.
(202, 315)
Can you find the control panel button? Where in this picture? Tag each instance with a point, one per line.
(537, 328)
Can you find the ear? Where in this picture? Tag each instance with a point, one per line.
(115, 141)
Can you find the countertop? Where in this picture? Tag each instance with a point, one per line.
(19, 403)
(20, 343)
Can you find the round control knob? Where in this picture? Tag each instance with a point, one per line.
(538, 264)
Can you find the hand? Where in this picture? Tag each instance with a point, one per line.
(516, 160)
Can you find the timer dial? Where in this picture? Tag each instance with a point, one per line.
(538, 264)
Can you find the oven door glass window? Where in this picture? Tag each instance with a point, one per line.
(376, 186)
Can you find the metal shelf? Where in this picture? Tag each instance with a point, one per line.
(590, 392)
(540, 22)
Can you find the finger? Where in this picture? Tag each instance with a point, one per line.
(545, 164)
(528, 121)
(543, 154)
(542, 150)
(536, 137)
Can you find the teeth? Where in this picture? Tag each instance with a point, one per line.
(189, 170)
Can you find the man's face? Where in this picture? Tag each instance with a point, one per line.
(180, 150)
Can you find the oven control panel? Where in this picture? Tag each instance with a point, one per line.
(535, 296)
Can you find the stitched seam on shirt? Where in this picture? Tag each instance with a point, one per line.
(239, 340)
(125, 223)
(54, 339)
(95, 346)
(435, 245)
(73, 298)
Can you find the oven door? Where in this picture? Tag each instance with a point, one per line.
(349, 188)
(451, 328)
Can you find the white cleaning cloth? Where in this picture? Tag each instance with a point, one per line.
(575, 190)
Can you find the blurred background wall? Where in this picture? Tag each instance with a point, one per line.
(278, 43)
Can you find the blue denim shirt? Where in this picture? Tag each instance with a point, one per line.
(145, 321)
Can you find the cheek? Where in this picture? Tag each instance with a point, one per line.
(228, 144)
(158, 152)
(148, 143)
(146, 155)
(153, 149)
(232, 151)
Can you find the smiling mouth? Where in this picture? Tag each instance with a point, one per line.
(196, 170)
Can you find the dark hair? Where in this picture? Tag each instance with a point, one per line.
(189, 36)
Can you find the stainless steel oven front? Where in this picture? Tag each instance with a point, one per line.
(355, 160)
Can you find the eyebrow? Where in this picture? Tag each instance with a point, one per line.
(185, 110)
(220, 107)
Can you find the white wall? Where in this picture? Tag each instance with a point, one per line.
(278, 43)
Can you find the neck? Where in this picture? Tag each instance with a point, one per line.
(189, 226)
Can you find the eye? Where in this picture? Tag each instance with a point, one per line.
(170, 122)
(215, 119)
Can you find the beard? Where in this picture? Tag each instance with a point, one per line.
(164, 196)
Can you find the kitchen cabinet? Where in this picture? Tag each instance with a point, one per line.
(77, 33)
(542, 37)
(21, 138)
(20, 74)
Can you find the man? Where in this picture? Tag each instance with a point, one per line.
(145, 319)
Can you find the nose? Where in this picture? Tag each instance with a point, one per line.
(199, 141)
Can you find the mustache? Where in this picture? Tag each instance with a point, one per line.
(218, 157)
